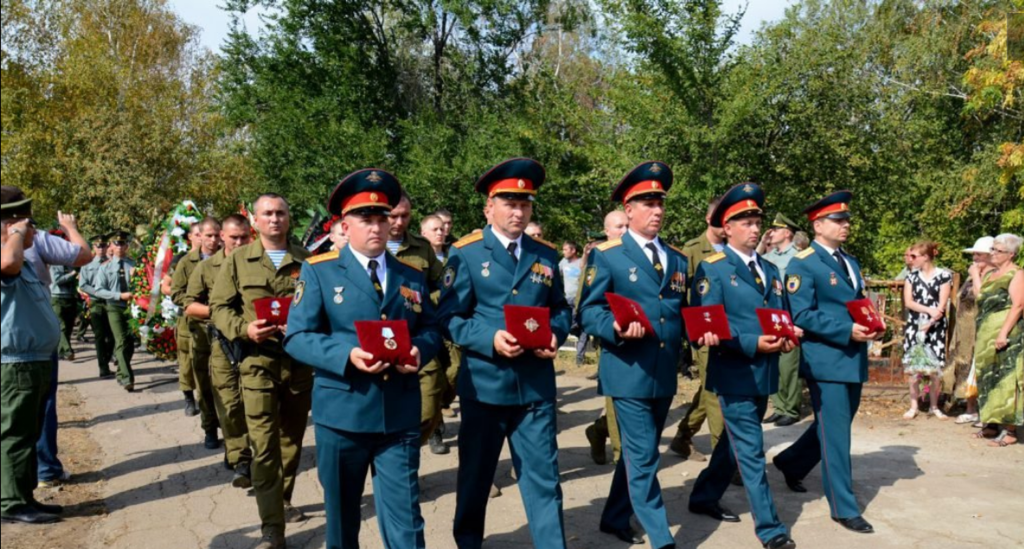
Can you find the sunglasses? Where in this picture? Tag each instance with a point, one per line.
(913, 256)
(995, 251)
(119, 243)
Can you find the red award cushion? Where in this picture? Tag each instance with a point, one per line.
(387, 340)
(776, 322)
(626, 311)
(273, 309)
(864, 313)
(701, 320)
(531, 326)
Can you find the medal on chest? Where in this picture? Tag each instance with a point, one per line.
(732, 280)
(338, 298)
(833, 279)
(632, 274)
(486, 271)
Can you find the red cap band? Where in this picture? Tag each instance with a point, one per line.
(742, 206)
(828, 210)
(644, 187)
(365, 200)
(514, 185)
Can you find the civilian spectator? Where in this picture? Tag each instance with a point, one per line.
(535, 230)
(961, 347)
(432, 229)
(925, 295)
(571, 266)
(999, 348)
(338, 237)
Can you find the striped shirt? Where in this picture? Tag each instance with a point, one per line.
(276, 256)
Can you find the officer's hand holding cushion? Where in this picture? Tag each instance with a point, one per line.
(709, 339)
(362, 361)
(257, 333)
(506, 345)
(770, 344)
(635, 330)
(550, 353)
(860, 334)
(407, 369)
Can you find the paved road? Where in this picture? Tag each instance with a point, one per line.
(925, 484)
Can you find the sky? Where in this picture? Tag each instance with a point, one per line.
(206, 15)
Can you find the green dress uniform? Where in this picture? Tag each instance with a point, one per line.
(224, 377)
(64, 299)
(740, 375)
(114, 280)
(183, 340)
(640, 376)
(103, 338)
(416, 251)
(194, 360)
(704, 405)
(502, 398)
(820, 282)
(786, 402)
(276, 390)
(364, 421)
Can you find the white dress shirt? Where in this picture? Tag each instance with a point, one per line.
(382, 270)
(505, 242)
(849, 267)
(746, 259)
(643, 242)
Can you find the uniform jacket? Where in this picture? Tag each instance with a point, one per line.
(696, 251)
(818, 293)
(335, 292)
(735, 367)
(646, 368)
(479, 280)
(112, 281)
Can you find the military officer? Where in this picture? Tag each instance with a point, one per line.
(742, 371)
(194, 332)
(113, 288)
(276, 389)
(638, 375)
(366, 411)
(416, 251)
(88, 284)
(820, 281)
(778, 248)
(224, 377)
(183, 337)
(505, 391)
(704, 405)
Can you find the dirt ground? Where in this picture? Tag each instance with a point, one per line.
(142, 480)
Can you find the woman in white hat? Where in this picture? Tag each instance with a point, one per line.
(962, 344)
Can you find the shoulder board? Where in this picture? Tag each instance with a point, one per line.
(806, 253)
(610, 244)
(467, 240)
(410, 265)
(323, 257)
(679, 251)
(715, 258)
(545, 243)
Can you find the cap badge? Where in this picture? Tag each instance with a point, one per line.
(655, 169)
(521, 184)
(374, 177)
(373, 197)
(748, 189)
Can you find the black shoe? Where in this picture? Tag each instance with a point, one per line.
(628, 535)
(293, 515)
(714, 511)
(191, 410)
(794, 484)
(48, 509)
(737, 479)
(438, 447)
(786, 421)
(106, 375)
(28, 515)
(682, 446)
(212, 441)
(773, 418)
(597, 448)
(781, 541)
(243, 476)
(856, 524)
(130, 386)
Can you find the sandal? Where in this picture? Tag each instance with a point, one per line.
(911, 414)
(966, 418)
(937, 413)
(1005, 438)
(986, 433)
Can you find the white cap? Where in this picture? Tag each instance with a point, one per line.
(982, 246)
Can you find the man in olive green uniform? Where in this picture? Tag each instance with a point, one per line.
(276, 391)
(227, 393)
(88, 283)
(416, 251)
(778, 249)
(198, 353)
(705, 404)
(183, 338)
(449, 361)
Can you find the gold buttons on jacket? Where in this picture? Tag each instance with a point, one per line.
(383, 317)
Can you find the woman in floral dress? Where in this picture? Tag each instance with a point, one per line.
(925, 294)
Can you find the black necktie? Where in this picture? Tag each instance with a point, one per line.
(756, 275)
(842, 265)
(512, 252)
(375, 279)
(658, 267)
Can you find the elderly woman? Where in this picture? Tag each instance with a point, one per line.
(961, 347)
(999, 350)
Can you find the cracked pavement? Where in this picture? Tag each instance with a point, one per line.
(923, 484)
